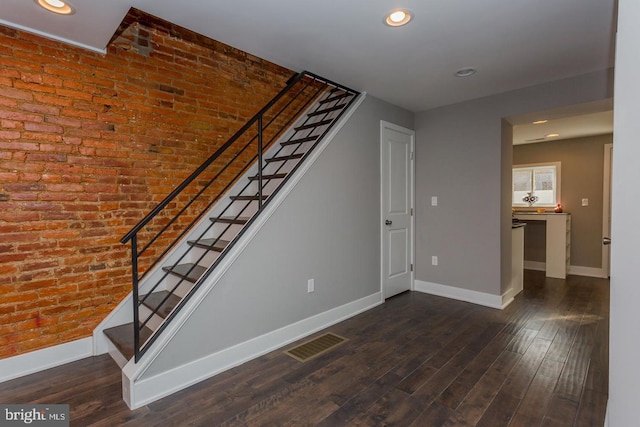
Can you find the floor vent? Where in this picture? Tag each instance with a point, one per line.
(315, 347)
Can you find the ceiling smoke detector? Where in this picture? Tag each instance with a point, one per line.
(56, 6)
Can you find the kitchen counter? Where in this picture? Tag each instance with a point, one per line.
(558, 240)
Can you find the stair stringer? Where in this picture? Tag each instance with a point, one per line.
(123, 313)
(138, 392)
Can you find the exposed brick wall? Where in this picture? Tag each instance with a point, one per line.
(89, 143)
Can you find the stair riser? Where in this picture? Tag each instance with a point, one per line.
(155, 321)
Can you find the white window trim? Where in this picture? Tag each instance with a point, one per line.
(558, 184)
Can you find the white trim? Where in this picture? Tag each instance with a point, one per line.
(579, 270)
(576, 270)
(606, 208)
(39, 360)
(535, 265)
(467, 295)
(507, 298)
(147, 390)
(52, 37)
(132, 372)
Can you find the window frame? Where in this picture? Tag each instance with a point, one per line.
(533, 167)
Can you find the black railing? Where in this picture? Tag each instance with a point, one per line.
(168, 223)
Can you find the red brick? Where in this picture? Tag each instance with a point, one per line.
(90, 143)
(16, 93)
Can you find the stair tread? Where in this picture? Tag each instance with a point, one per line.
(153, 302)
(122, 337)
(269, 176)
(284, 158)
(334, 98)
(212, 244)
(327, 110)
(231, 219)
(299, 140)
(253, 197)
(182, 269)
(314, 125)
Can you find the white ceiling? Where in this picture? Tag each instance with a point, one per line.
(575, 121)
(514, 43)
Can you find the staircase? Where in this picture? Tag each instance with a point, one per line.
(178, 245)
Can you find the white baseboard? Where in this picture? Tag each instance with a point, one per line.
(579, 270)
(460, 294)
(535, 265)
(147, 390)
(50, 357)
(576, 270)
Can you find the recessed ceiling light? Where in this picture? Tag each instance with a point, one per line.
(398, 18)
(539, 122)
(57, 6)
(552, 135)
(466, 72)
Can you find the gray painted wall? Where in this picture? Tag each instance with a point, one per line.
(327, 229)
(581, 177)
(624, 375)
(461, 159)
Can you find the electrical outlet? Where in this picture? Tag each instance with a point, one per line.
(311, 285)
(434, 200)
(434, 260)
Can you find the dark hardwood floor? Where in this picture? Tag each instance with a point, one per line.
(417, 360)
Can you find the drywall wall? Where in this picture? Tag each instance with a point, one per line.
(624, 348)
(327, 229)
(582, 168)
(461, 160)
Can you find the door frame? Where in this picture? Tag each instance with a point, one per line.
(606, 208)
(387, 125)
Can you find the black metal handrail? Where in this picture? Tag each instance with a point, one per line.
(300, 91)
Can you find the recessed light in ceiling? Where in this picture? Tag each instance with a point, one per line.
(466, 72)
(56, 6)
(552, 135)
(398, 18)
(539, 122)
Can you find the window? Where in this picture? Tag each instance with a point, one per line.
(539, 181)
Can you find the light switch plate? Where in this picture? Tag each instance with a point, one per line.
(585, 202)
(434, 200)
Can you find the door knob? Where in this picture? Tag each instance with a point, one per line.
(387, 222)
(606, 240)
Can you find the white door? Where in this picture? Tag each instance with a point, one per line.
(396, 158)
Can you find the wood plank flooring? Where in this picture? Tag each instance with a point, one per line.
(417, 360)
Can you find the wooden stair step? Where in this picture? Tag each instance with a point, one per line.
(299, 140)
(335, 98)
(285, 158)
(217, 245)
(154, 302)
(314, 125)
(122, 337)
(272, 176)
(254, 197)
(182, 271)
(327, 110)
(230, 219)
